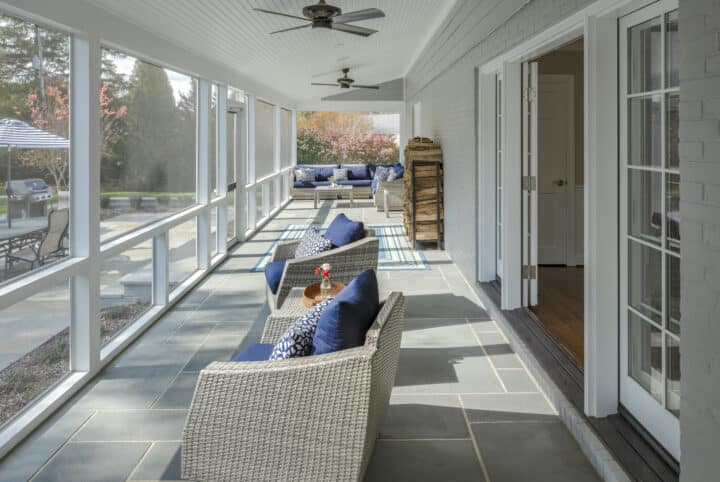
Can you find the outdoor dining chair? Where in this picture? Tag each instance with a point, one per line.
(50, 244)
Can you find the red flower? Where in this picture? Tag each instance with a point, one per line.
(326, 273)
(317, 271)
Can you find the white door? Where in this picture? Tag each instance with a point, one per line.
(649, 235)
(555, 155)
(529, 191)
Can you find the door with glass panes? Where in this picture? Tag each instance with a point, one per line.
(649, 221)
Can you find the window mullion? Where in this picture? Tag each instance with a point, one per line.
(85, 71)
(203, 174)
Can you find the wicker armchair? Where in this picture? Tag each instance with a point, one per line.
(347, 262)
(312, 418)
(395, 195)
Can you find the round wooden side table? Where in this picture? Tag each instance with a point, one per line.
(311, 295)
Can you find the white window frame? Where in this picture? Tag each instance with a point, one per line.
(87, 253)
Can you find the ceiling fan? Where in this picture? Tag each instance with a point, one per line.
(322, 15)
(346, 82)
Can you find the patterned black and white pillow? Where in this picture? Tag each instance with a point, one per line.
(305, 175)
(340, 174)
(298, 339)
(312, 243)
(392, 175)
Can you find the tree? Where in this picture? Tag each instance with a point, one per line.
(50, 113)
(153, 129)
(343, 137)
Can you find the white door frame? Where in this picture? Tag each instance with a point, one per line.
(598, 24)
(568, 81)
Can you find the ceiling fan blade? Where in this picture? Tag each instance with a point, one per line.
(358, 15)
(279, 13)
(362, 31)
(366, 86)
(328, 85)
(291, 28)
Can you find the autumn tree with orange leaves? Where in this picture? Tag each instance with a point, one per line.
(343, 137)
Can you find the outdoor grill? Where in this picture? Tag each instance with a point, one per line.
(27, 197)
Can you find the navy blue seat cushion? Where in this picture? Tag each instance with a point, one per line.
(310, 184)
(356, 171)
(356, 182)
(322, 171)
(373, 167)
(399, 170)
(273, 274)
(255, 352)
(343, 231)
(345, 321)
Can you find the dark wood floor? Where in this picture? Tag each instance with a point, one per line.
(560, 307)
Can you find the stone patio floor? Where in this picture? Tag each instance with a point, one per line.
(464, 407)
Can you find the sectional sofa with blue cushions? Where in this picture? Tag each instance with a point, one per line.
(360, 176)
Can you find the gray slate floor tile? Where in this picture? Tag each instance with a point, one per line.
(445, 370)
(508, 407)
(517, 381)
(25, 460)
(424, 461)
(437, 332)
(499, 351)
(180, 392)
(133, 425)
(162, 462)
(91, 462)
(424, 416)
(445, 305)
(531, 451)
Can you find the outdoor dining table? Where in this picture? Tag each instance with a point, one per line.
(23, 233)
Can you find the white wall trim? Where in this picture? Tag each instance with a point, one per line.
(511, 293)
(487, 166)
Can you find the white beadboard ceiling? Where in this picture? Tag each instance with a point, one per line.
(230, 32)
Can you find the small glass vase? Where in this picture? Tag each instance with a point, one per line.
(325, 287)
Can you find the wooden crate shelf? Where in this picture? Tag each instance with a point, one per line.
(424, 212)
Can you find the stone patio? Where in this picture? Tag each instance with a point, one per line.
(464, 407)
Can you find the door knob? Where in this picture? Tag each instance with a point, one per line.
(559, 182)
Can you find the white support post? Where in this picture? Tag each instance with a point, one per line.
(251, 199)
(402, 135)
(265, 189)
(487, 165)
(511, 293)
(161, 269)
(84, 205)
(203, 174)
(277, 152)
(222, 174)
(600, 218)
(241, 163)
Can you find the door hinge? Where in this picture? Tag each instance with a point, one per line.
(529, 183)
(529, 272)
(529, 94)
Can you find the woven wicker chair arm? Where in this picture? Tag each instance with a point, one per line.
(275, 327)
(285, 250)
(256, 420)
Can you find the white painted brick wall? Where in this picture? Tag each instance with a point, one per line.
(700, 231)
(443, 81)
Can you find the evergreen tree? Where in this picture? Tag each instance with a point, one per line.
(153, 129)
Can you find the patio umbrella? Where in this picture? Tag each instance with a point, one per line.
(21, 135)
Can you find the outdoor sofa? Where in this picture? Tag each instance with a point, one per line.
(360, 176)
(311, 418)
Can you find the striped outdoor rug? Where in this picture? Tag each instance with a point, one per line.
(395, 252)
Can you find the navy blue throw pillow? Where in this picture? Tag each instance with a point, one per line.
(343, 231)
(345, 321)
(273, 274)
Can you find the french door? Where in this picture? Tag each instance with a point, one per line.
(529, 183)
(649, 221)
